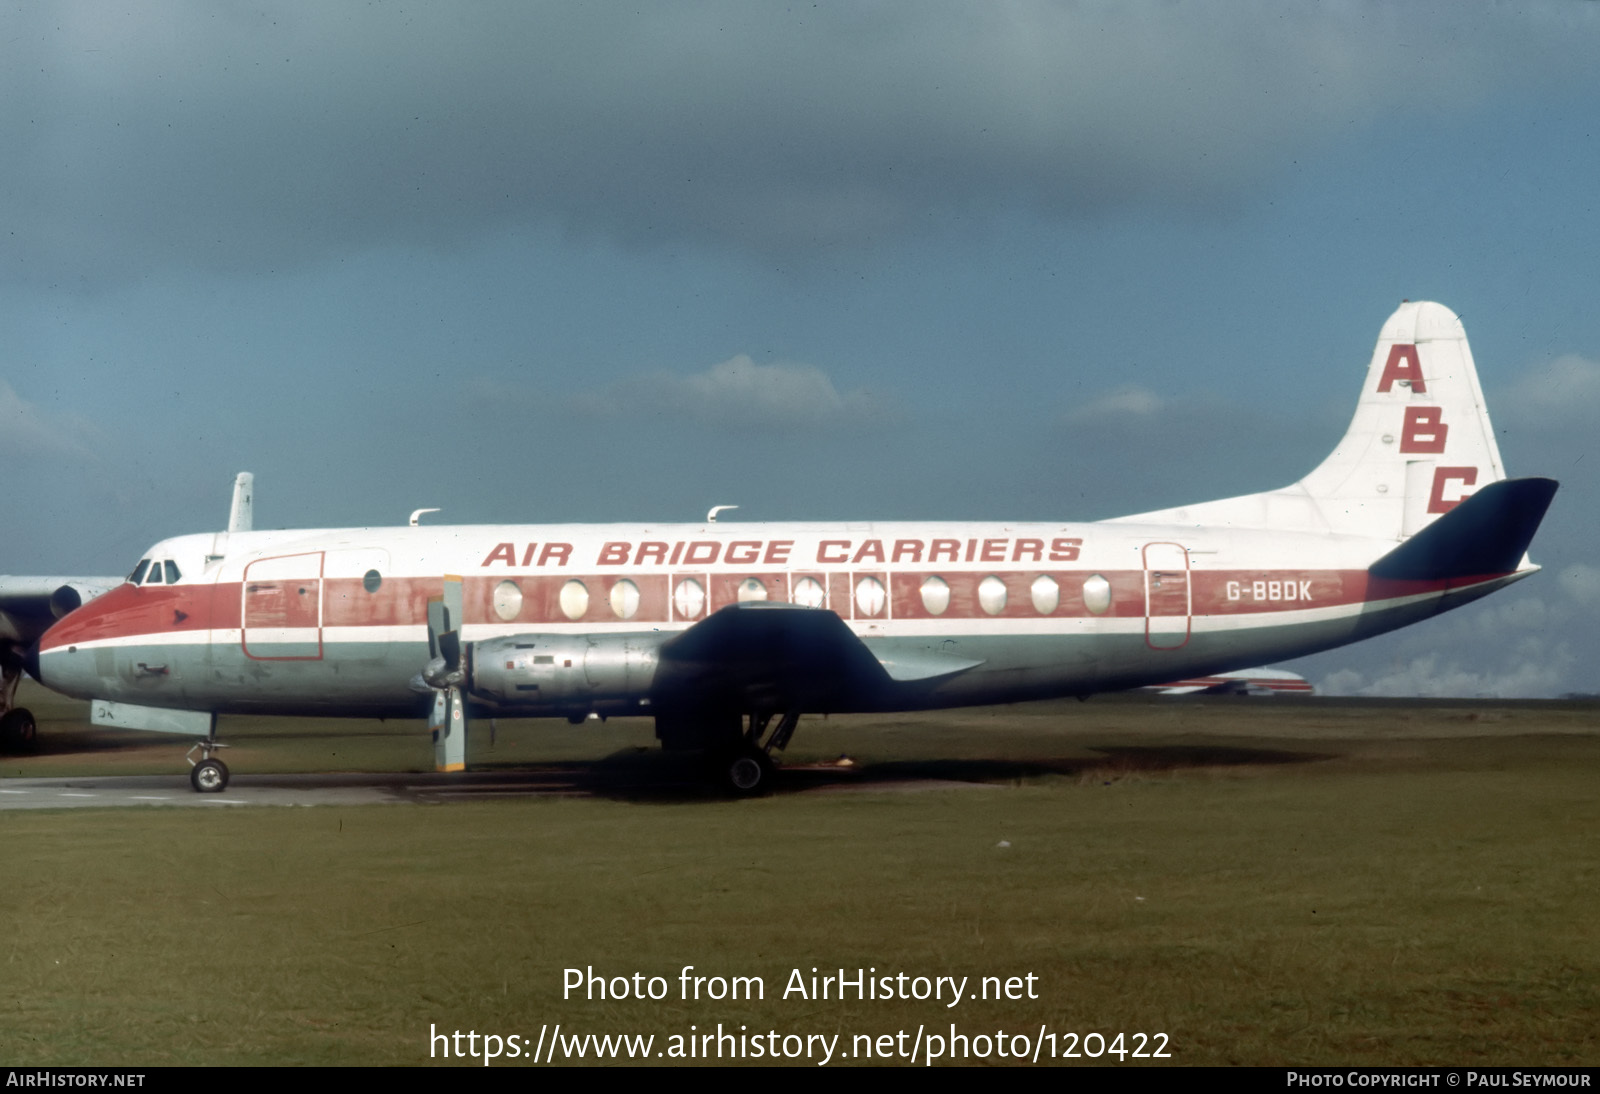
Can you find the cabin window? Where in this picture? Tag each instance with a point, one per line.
(935, 595)
(625, 599)
(371, 580)
(751, 589)
(870, 597)
(808, 593)
(574, 599)
(1046, 594)
(507, 600)
(992, 595)
(688, 599)
(1096, 594)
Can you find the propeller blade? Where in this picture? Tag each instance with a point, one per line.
(447, 672)
(450, 740)
(451, 650)
(438, 716)
(438, 623)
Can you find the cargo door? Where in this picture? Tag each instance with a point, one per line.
(1166, 596)
(282, 611)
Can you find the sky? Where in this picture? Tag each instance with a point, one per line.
(601, 262)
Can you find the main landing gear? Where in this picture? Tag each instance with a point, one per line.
(18, 731)
(210, 775)
(746, 770)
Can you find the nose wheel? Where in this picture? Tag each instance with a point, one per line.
(210, 775)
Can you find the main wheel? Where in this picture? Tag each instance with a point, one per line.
(18, 731)
(209, 777)
(747, 773)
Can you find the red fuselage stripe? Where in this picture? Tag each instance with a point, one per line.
(399, 601)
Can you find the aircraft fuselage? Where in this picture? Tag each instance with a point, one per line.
(335, 622)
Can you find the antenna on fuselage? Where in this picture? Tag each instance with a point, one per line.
(419, 513)
(711, 517)
(241, 515)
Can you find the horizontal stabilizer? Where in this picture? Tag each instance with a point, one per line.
(1488, 533)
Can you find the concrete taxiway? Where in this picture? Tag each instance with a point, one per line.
(415, 788)
(348, 789)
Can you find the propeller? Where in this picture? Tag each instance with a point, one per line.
(446, 676)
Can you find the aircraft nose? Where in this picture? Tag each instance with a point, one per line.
(66, 669)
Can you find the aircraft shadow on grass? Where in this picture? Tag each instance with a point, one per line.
(644, 775)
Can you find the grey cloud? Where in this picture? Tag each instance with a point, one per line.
(738, 394)
(193, 134)
(1565, 391)
(1430, 676)
(1131, 400)
(27, 431)
(1535, 641)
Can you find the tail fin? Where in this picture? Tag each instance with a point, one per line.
(1420, 441)
(1419, 444)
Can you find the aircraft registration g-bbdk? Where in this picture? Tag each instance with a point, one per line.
(726, 633)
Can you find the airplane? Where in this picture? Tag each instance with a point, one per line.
(1259, 681)
(725, 633)
(30, 605)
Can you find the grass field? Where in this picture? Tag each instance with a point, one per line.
(1265, 881)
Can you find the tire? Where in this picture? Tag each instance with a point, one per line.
(209, 777)
(18, 731)
(747, 773)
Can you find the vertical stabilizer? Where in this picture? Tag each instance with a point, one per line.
(1420, 441)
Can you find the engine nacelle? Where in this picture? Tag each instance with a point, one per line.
(565, 671)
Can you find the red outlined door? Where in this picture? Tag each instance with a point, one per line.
(282, 610)
(1167, 600)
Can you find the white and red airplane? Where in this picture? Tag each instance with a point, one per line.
(30, 605)
(1259, 681)
(717, 629)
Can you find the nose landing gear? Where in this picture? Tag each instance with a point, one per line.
(210, 775)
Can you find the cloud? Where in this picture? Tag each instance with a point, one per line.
(183, 133)
(1517, 644)
(1432, 677)
(1129, 400)
(25, 429)
(738, 395)
(1581, 583)
(1566, 391)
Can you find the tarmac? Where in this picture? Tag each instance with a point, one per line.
(416, 788)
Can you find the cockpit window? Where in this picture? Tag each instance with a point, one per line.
(172, 572)
(138, 571)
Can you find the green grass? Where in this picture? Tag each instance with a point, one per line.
(1265, 882)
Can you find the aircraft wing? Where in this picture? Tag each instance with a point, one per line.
(29, 605)
(776, 655)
